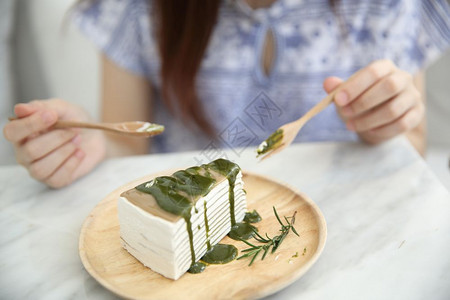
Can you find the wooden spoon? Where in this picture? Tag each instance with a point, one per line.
(133, 128)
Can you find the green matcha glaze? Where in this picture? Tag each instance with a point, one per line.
(230, 170)
(197, 267)
(208, 243)
(220, 254)
(252, 217)
(242, 231)
(225, 167)
(177, 194)
(164, 190)
(272, 142)
(187, 218)
(193, 184)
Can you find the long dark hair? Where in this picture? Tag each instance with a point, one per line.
(184, 29)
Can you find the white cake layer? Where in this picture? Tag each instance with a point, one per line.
(180, 254)
(222, 213)
(164, 246)
(218, 230)
(215, 210)
(175, 229)
(167, 262)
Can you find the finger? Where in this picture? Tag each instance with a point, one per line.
(331, 83)
(25, 109)
(18, 130)
(45, 167)
(385, 113)
(403, 124)
(383, 90)
(44, 144)
(64, 175)
(60, 107)
(362, 80)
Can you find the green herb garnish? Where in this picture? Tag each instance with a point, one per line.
(268, 242)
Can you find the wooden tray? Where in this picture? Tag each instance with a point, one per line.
(118, 271)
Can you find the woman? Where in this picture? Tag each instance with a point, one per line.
(236, 66)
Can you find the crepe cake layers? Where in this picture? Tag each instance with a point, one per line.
(170, 222)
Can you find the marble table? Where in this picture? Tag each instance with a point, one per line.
(387, 214)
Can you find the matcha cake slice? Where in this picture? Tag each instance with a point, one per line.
(170, 222)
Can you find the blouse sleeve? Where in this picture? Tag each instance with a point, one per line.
(427, 28)
(120, 30)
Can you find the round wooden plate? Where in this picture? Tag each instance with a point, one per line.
(114, 268)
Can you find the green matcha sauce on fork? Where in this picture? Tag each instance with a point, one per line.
(272, 142)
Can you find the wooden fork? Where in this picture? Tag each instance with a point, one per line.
(290, 130)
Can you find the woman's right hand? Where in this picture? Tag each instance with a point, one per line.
(56, 157)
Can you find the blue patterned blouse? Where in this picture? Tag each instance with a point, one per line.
(312, 41)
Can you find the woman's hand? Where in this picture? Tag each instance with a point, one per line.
(56, 157)
(378, 102)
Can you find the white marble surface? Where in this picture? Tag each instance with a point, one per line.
(388, 221)
(438, 159)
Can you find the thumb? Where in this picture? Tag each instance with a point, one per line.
(331, 83)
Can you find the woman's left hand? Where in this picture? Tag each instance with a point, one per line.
(378, 102)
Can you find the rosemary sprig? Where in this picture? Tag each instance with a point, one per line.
(267, 241)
